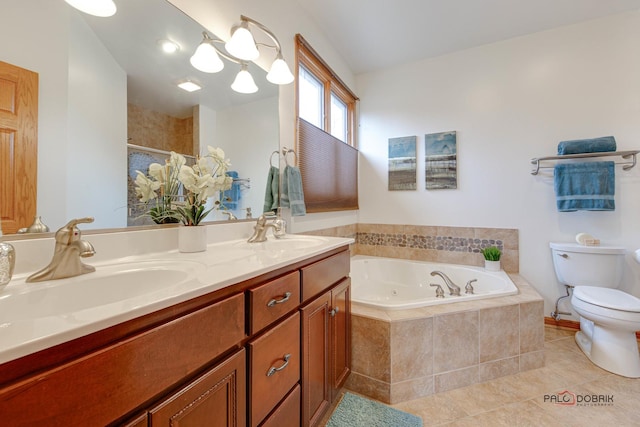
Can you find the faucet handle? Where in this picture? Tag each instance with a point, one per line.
(468, 289)
(439, 290)
(70, 232)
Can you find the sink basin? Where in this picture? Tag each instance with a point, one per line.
(108, 284)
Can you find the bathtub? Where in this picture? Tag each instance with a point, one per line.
(397, 284)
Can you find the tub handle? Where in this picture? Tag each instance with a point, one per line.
(284, 298)
(334, 311)
(469, 288)
(439, 291)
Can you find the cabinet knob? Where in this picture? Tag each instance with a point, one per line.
(272, 370)
(334, 311)
(274, 301)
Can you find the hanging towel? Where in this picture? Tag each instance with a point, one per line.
(587, 186)
(271, 194)
(292, 194)
(231, 197)
(595, 145)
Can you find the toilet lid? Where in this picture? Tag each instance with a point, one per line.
(607, 298)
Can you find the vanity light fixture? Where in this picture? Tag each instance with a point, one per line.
(206, 58)
(102, 8)
(240, 49)
(244, 81)
(189, 86)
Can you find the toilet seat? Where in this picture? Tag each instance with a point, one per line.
(613, 299)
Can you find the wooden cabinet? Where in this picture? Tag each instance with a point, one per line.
(270, 351)
(326, 335)
(215, 399)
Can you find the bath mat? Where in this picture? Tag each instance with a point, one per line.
(356, 411)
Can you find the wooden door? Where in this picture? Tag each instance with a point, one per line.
(340, 336)
(18, 146)
(216, 399)
(316, 393)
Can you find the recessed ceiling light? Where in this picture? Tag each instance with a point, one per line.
(189, 86)
(168, 46)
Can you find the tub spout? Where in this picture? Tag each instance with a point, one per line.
(453, 288)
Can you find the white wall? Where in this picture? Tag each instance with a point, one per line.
(40, 45)
(250, 132)
(509, 102)
(97, 120)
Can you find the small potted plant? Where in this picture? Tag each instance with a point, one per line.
(491, 258)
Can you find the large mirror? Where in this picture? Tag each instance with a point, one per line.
(105, 84)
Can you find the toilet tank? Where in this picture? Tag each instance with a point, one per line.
(579, 265)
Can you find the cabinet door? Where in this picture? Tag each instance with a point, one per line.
(215, 399)
(316, 394)
(340, 336)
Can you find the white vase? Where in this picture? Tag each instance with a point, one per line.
(192, 238)
(491, 265)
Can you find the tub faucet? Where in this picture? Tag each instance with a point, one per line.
(69, 249)
(453, 288)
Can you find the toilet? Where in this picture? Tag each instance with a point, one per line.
(609, 318)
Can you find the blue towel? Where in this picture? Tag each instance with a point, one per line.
(595, 145)
(292, 194)
(231, 197)
(271, 193)
(587, 186)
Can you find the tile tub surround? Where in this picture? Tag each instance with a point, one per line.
(403, 355)
(453, 245)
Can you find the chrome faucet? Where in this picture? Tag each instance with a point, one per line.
(69, 249)
(453, 288)
(260, 229)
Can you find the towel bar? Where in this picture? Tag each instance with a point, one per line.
(624, 154)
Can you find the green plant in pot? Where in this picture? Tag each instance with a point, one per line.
(491, 258)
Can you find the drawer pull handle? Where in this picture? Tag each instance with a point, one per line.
(274, 301)
(334, 311)
(272, 370)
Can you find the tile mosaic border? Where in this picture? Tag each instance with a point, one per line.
(455, 245)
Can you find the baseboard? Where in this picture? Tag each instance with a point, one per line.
(569, 324)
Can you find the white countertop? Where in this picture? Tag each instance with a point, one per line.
(35, 316)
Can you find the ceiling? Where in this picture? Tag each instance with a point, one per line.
(152, 76)
(377, 34)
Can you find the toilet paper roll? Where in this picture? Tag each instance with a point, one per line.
(638, 255)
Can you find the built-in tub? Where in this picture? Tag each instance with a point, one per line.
(396, 284)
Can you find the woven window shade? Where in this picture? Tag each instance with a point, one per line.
(329, 169)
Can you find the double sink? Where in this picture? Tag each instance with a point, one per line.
(34, 316)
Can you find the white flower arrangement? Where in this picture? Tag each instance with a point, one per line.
(179, 191)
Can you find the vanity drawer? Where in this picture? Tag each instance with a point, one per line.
(321, 275)
(110, 382)
(271, 301)
(274, 367)
(287, 414)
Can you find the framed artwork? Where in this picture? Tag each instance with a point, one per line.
(402, 163)
(441, 164)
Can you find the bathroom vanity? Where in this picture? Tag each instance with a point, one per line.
(269, 349)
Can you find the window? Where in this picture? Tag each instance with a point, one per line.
(325, 134)
(322, 98)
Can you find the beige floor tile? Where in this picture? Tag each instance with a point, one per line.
(435, 409)
(552, 333)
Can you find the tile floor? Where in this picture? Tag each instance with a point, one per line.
(519, 400)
